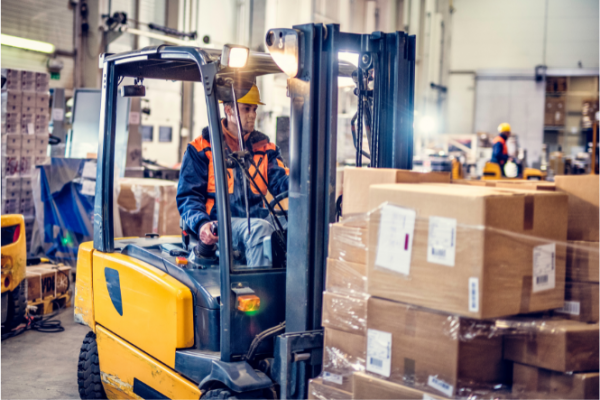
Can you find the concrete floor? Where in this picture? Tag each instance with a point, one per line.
(43, 365)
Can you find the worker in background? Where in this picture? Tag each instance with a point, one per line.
(499, 148)
(196, 189)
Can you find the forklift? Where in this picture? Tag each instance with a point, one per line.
(166, 325)
(14, 262)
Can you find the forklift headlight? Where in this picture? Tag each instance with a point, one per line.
(284, 47)
(248, 303)
(234, 56)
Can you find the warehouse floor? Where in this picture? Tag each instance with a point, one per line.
(43, 365)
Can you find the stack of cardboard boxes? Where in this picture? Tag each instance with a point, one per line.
(448, 267)
(25, 118)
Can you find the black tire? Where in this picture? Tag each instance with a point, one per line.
(88, 370)
(218, 394)
(17, 301)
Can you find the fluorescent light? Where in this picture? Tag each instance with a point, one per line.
(352, 58)
(27, 44)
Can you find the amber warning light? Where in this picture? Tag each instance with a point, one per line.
(248, 303)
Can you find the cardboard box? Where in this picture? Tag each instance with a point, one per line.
(42, 101)
(559, 345)
(13, 122)
(537, 383)
(12, 141)
(11, 163)
(345, 313)
(26, 183)
(583, 261)
(41, 141)
(27, 163)
(28, 99)
(581, 302)
(12, 183)
(509, 184)
(27, 81)
(431, 349)
(10, 206)
(42, 82)
(346, 277)
(137, 198)
(14, 99)
(13, 79)
(343, 354)
(348, 243)
(34, 285)
(48, 277)
(368, 387)
(27, 142)
(583, 191)
(11, 194)
(556, 84)
(358, 180)
(554, 113)
(456, 266)
(318, 391)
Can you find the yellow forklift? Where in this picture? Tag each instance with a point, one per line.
(14, 263)
(165, 324)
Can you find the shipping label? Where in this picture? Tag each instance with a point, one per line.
(544, 267)
(441, 244)
(335, 378)
(88, 188)
(440, 385)
(394, 245)
(473, 294)
(379, 352)
(570, 307)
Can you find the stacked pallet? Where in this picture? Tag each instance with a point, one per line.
(25, 119)
(49, 287)
(449, 268)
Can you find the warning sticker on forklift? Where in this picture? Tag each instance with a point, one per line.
(544, 267)
(396, 231)
(441, 243)
(440, 385)
(335, 378)
(379, 352)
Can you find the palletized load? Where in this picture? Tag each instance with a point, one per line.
(473, 251)
(538, 383)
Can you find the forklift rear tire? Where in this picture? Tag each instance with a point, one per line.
(17, 307)
(88, 370)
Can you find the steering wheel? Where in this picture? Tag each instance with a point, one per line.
(273, 204)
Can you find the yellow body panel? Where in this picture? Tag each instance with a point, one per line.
(157, 309)
(14, 255)
(84, 294)
(492, 171)
(120, 363)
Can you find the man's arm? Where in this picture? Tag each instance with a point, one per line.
(278, 174)
(191, 190)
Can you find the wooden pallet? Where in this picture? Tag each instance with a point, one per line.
(48, 305)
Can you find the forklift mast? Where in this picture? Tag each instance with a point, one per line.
(390, 60)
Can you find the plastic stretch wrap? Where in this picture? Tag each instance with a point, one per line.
(63, 209)
(318, 391)
(148, 206)
(477, 261)
(343, 355)
(537, 383)
(345, 313)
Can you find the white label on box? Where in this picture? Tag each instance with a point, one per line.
(134, 118)
(89, 170)
(89, 187)
(335, 378)
(440, 385)
(396, 231)
(58, 114)
(570, 307)
(428, 397)
(473, 294)
(441, 244)
(379, 352)
(31, 128)
(544, 269)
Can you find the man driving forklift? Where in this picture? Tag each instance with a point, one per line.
(196, 189)
(500, 150)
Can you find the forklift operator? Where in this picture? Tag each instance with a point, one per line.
(196, 189)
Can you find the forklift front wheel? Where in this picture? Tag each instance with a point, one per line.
(17, 304)
(218, 394)
(88, 370)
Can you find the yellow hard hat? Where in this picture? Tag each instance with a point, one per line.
(252, 97)
(504, 127)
